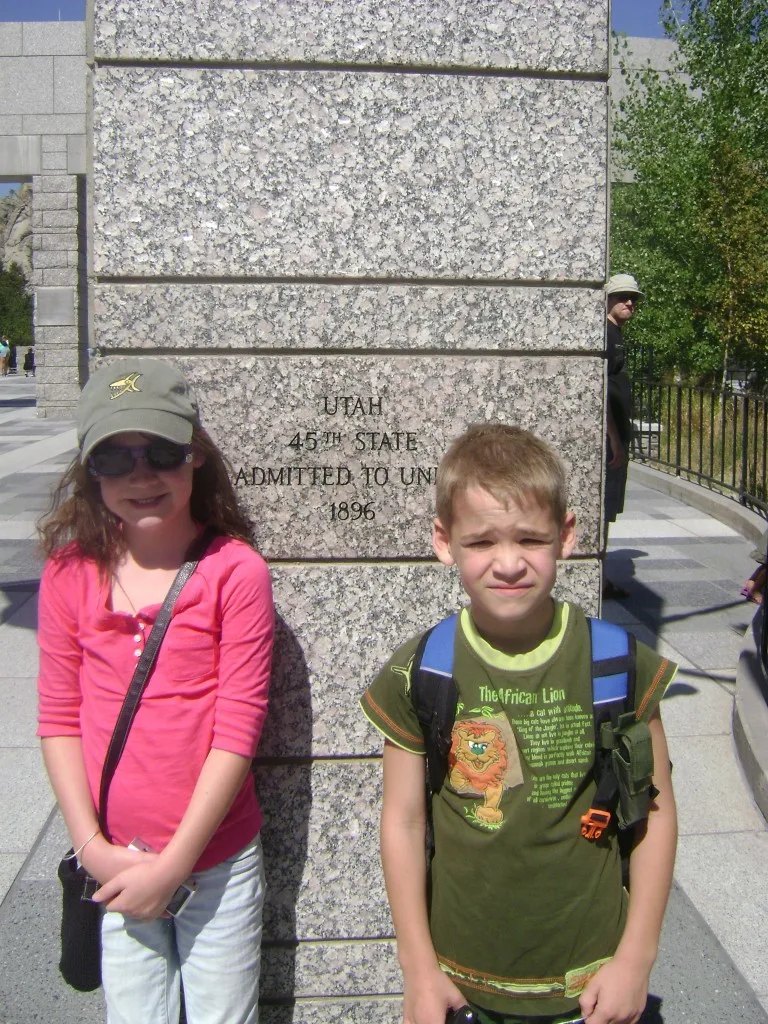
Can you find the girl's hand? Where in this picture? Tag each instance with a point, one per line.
(142, 891)
(103, 861)
(616, 995)
(429, 998)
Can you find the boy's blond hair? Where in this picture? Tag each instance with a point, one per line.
(509, 463)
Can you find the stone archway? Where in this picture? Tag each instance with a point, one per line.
(42, 141)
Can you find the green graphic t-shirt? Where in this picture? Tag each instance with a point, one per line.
(524, 909)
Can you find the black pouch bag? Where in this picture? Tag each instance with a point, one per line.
(80, 963)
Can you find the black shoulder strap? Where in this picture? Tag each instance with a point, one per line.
(143, 671)
(434, 695)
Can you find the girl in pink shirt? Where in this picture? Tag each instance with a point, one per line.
(182, 805)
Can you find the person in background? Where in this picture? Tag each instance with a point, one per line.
(5, 355)
(754, 588)
(622, 297)
(29, 362)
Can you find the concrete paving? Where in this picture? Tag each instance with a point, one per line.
(683, 568)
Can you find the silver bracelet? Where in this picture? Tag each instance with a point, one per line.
(80, 850)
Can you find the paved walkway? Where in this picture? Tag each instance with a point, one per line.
(683, 569)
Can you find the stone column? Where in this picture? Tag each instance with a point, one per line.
(358, 227)
(58, 274)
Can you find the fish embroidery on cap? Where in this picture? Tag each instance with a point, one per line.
(121, 387)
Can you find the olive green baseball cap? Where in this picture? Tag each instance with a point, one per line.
(148, 396)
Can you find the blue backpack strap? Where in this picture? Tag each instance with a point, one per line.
(611, 667)
(438, 650)
(434, 695)
(613, 694)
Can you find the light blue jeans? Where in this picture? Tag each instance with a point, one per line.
(214, 945)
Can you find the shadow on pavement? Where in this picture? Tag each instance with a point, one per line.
(13, 596)
(652, 1012)
(17, 403)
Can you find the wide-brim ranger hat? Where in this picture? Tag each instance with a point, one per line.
(623, 283)
(148, 396)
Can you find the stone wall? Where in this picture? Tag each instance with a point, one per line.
(42, 140)
(357, 227)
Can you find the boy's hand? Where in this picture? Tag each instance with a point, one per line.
(616, 995)
(429, 998)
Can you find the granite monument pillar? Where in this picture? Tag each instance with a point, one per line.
(357, 227)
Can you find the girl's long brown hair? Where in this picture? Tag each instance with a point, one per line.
(77, 513)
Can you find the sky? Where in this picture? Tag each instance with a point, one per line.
(42, 10)
(635, 17)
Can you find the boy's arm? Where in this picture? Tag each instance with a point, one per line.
(617, 994)
(429, 993)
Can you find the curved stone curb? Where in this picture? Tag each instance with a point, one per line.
(726, 510)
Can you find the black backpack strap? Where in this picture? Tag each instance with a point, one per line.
(143, 671)
(434, 695)
(614, 666)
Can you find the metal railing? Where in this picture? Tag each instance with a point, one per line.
(714, 438)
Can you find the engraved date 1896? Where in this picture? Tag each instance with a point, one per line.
(346, 511)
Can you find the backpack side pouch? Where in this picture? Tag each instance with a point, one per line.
(632, 759)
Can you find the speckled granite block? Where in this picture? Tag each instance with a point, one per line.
(336, 456)
(321, 847)
(578, 580)
(367, 317)
(203, 172)
(338, 624)
(334, 1011)
(563, 35)
(330, 969)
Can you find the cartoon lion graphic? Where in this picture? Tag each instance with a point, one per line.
(479, 764)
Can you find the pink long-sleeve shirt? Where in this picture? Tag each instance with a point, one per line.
(208, 688)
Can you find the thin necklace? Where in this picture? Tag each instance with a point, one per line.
(116, 578)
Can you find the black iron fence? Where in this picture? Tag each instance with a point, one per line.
(718, 438)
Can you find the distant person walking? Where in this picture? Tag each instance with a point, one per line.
(622, 297)
(29, 362)
(5, 355)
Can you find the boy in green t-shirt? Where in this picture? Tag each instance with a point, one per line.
(527, 919)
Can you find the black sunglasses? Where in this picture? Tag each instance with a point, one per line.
(112, 460)
(626, 297)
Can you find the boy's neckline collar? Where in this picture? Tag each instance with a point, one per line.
(517, 662)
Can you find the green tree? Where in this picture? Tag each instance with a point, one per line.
(693, 224)
(15, 306)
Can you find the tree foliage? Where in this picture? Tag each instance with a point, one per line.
(693, 224)
(15, 306)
